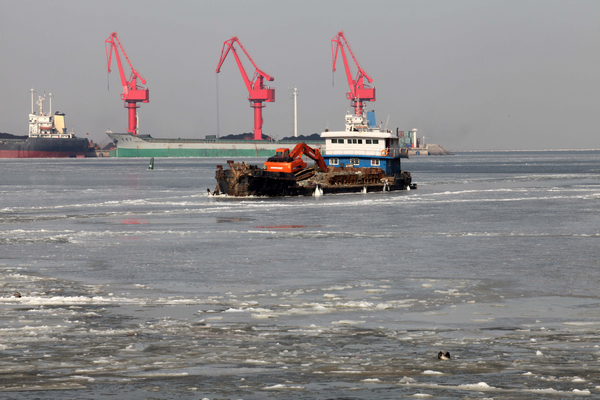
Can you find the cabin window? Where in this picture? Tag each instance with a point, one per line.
(334, 161)
(333, 140)
(368, 141)
(349, 141)
(354, 161)
(375, 161)
(359, 141)
(354, 141)
(375, 141)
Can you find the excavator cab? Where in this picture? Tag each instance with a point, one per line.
(283, 162)
(282, 153)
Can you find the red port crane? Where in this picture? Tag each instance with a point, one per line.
(257, 92)
(359, 90)
(132, 92)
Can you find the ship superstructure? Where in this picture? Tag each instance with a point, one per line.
(45, 125)
(363, 144)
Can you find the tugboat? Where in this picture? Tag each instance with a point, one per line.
(364, 144)
(362, 158)
(47, 137)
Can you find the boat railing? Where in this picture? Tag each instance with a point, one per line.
(388, 152)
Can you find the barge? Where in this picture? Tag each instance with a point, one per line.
(363, 158)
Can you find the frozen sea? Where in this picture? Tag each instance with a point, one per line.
(136, 284)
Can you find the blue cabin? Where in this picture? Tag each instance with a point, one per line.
(363, 144)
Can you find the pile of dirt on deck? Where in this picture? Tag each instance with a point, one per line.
(334, 174)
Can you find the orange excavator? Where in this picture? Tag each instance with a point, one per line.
(291, 161)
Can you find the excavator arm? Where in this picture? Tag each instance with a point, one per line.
(315, 154)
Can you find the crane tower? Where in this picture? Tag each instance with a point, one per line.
(360, 91)
(132, 92)
(257, 92)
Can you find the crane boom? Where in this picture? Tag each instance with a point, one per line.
(257, 92)
(360, 91)
(132, 92)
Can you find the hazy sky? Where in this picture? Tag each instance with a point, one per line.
(467, 74)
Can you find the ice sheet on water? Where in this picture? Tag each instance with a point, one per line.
(347, 322)
(354, 332)
(477, 386)
(280, 386)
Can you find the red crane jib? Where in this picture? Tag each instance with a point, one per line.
(359, 90)
(257, 92)
(132, 92)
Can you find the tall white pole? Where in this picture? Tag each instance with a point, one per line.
(295, 94)
(50, 95)
(32, 92)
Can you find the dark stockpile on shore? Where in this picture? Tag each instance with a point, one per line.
(9, 136)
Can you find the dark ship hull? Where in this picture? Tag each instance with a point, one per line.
(249, 180)
(32, 147)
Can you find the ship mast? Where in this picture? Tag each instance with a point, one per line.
(40, 103)
(295, 95)
(32, 92)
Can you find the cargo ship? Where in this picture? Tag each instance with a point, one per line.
(363, 158)
(48, 138)
(130, 145)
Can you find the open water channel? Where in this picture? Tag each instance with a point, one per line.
(136, 284)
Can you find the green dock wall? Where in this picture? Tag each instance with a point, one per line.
(218, 153)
